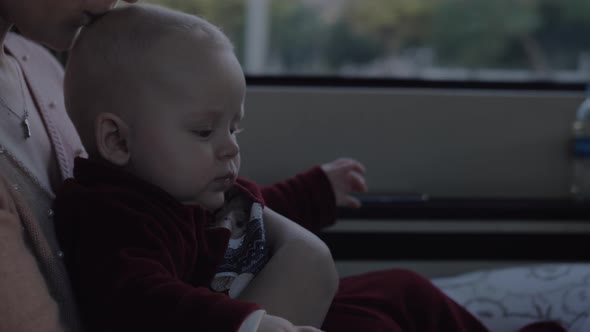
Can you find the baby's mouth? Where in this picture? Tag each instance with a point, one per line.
(224, 182)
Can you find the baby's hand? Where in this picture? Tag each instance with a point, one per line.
(270, 323)
(346, 177)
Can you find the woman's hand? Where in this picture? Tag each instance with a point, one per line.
(346, 176)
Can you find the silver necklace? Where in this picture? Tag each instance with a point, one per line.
(25, 118)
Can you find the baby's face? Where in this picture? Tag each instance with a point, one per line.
(184, 138)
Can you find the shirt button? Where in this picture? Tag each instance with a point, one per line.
(50, 213)
(51, 105)
(25, 57)
(15, 186)
(60, 254)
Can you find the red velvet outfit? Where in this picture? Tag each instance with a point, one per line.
(141, 261)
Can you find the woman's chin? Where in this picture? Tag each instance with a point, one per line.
(58, 40)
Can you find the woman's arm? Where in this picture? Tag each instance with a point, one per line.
(300, 280)
(26, 304)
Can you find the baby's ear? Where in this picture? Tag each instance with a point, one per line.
(112, 138)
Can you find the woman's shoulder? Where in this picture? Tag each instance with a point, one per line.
(7, 203)
(29, 51)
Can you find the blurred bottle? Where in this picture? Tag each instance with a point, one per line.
(580, 188)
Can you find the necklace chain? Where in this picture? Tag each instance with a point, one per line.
(25, 118)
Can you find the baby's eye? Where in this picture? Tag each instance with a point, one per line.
(206, 133)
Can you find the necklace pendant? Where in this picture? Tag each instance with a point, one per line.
(27, 128)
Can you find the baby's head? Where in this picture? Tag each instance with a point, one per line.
(159, 93)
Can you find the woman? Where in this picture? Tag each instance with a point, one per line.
(37, 145)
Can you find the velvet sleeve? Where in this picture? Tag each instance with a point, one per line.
(134, 272)
(307, 198)
(251, 189)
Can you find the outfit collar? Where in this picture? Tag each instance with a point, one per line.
(101, 174)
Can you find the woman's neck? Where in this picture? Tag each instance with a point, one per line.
(4, 28)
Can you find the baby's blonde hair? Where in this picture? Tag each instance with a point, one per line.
(106, 63)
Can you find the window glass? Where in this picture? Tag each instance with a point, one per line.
(482, 40)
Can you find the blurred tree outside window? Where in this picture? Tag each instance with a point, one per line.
(485, 40)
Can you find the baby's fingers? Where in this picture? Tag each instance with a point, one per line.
(351, 164)
(350, 202)
(357, 182)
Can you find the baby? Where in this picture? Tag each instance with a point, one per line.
(157, 227)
